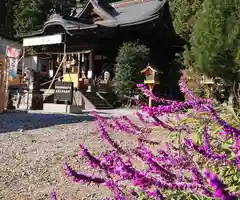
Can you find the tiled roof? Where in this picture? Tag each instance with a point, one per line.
(122, 13)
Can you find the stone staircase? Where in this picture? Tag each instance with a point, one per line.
(97, 100)
(88, 100)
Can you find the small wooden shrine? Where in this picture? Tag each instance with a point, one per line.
(208, 84)
(151, 75)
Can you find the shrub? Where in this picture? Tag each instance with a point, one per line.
(204, 164)
(131, 59)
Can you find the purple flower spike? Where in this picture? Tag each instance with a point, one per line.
(134, 193)
(105, 134)
(118, 194)
(93, 161)
(78, 177)
(148, 93)
(184, 88)
(156, 195)
(218, 187)
(54, 195)
(206, 139)
(197, 177)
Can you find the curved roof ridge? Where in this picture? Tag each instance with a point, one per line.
(101, 7)
(123, 3)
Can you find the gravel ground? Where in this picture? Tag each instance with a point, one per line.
(33, 147)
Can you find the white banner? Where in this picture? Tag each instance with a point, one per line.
(42, 40)
(13, 56)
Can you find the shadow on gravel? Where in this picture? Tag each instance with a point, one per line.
(12, 121)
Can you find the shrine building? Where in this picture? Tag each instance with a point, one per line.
(81, 46)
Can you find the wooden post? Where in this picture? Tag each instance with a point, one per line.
(151, 86)
(64, 57)
(3, 79)
(90, 69)
(207, 94)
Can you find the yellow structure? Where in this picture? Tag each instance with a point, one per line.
(72, 77)
(207, 84)
(151, 79)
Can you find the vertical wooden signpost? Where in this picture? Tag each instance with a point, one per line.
(151, 79)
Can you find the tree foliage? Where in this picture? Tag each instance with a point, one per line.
(6, 18)
(31, 14)
(211, 29)
(184, 15)
(132, 57)
(215, 39)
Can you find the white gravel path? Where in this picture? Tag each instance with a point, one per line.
(34, 146)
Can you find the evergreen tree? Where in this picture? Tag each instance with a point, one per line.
(129, 62)
(184, 15)
(31, 14)
(215, 40)
(6, 17)
(2, 15)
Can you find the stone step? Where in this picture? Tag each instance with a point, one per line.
(98, 102)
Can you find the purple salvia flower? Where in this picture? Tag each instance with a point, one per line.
(197, 177)
(123, 127)
(134, 126)
(113, 187)
(206, 139)
(184, 88)
(219, 189)
(208, 154)
(154, 167)
(156, 195)
(148, 93)
(138, 129)
(228, 130)
(142, 140)
(140, 117)
(127, 172)
(106, 136)
(53, 195)
(174, 107)
(158, 122)
(134, 193)
(93, 161)
(79, 177)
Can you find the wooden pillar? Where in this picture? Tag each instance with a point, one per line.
(3, 73)
(64, 58)
(90, 71)
(91, 62)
